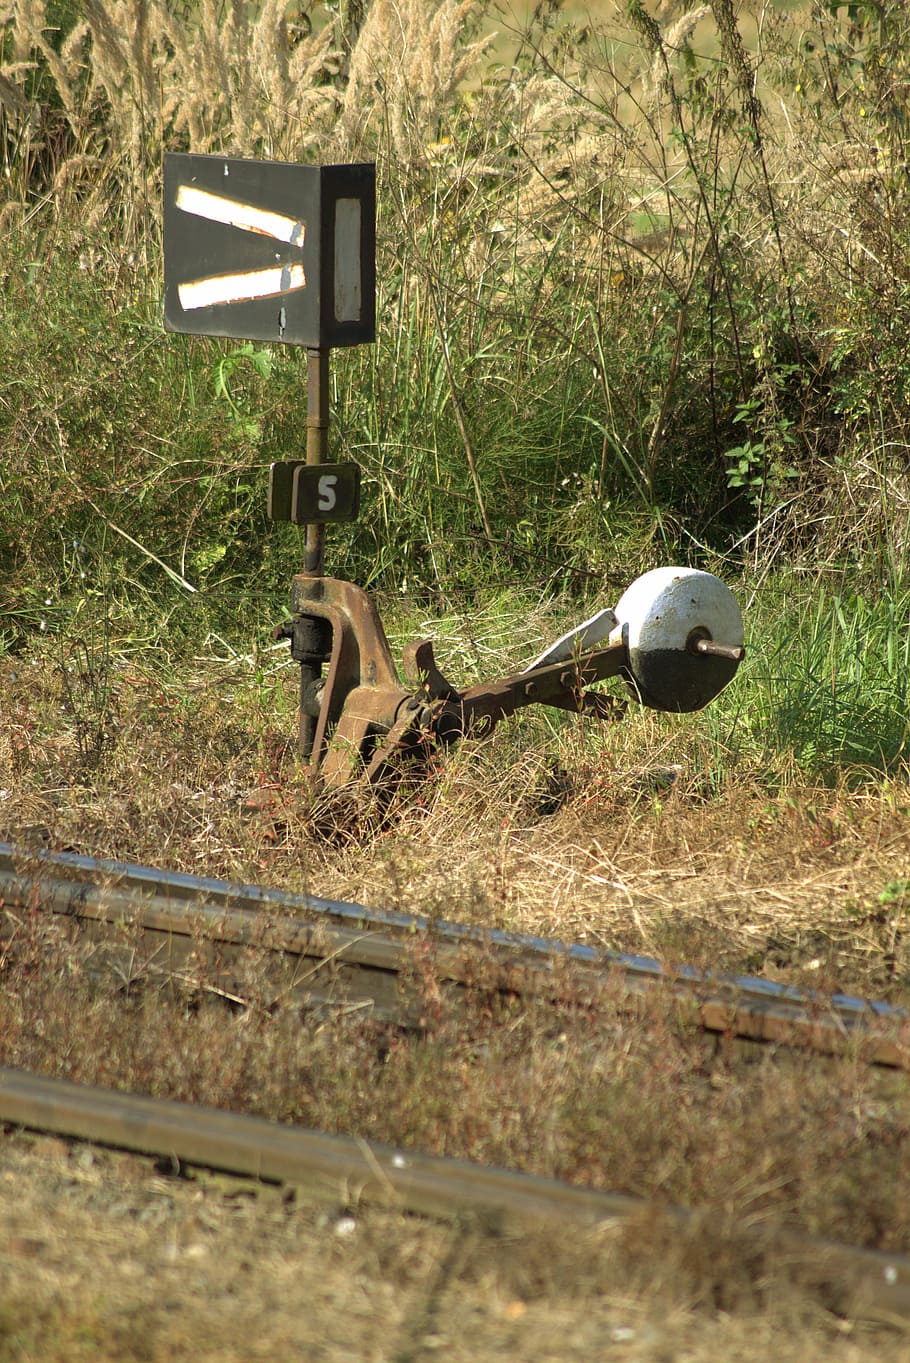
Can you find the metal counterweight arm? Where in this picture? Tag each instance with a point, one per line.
(559, 684)
(439, 713)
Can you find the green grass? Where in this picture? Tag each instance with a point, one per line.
(824, 690)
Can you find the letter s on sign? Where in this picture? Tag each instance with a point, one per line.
(327, 496)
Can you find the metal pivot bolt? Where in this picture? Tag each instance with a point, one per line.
(710, 648)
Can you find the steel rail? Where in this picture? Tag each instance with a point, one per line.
(350, 1171)
(353, 955)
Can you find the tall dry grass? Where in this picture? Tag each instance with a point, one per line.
(134, 76)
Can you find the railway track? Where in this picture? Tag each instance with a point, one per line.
(342, 955)
(348, 1171)
(326, 952)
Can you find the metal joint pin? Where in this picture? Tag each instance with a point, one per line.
(734, 652)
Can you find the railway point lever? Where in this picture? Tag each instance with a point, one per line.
(281, 252)
(675, 637)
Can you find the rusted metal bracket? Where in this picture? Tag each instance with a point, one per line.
(366, 718)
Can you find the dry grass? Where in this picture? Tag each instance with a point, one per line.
(807, 885)
(237, 78)
(413, 83)
(587, 1095)
(788, 884)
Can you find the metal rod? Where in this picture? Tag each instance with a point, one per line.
(864, 1282)
(317, 439)
(174, 905)
(735, 652)
(306, 724)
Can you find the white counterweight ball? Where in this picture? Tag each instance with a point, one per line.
(660, 618)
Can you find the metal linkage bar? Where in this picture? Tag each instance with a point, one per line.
(366, 717)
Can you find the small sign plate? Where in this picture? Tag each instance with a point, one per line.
(325, 492)
(311, 494)
(270, 250)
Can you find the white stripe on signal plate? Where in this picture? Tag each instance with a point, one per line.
(241, 288)
(217, 208)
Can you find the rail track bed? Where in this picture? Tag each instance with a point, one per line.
(329, 955)
(348, 1171)
(190, 929)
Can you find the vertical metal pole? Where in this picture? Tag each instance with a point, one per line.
(317, 439)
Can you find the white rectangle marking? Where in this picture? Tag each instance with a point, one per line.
(218, 208)
(241, 288)
(348, 291)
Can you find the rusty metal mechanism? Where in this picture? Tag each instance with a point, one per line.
(675, 637)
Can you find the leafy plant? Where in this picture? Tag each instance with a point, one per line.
(261, 360)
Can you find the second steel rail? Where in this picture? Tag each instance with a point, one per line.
(347, 953)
